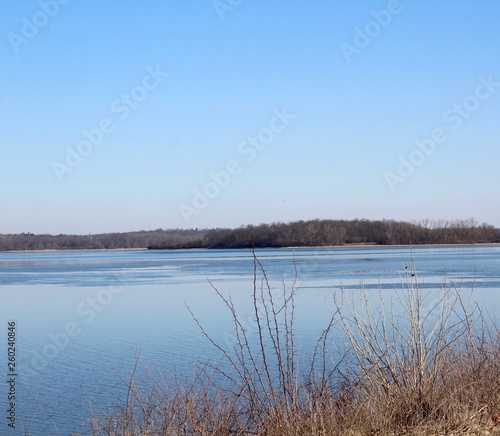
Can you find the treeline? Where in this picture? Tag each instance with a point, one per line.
(342, 232)
(175, 238)
(294, 234)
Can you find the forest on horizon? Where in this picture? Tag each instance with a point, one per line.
(309, 233)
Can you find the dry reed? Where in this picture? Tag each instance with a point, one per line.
(406, 367)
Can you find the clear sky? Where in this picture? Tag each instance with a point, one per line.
(124, 115)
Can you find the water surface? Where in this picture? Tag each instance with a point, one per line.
(83, 316)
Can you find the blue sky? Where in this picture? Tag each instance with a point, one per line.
(171, 93)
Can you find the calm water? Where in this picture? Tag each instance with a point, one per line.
(83, 316)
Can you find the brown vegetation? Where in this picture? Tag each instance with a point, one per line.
(423, 366)
(340, 232)
(130, 240)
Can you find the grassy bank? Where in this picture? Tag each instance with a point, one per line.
(418, 364)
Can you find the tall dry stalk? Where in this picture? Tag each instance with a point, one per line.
(400, 347)
(412, 363)
(264, 371)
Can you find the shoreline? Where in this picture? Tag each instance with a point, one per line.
(293, 247)
(50, 250)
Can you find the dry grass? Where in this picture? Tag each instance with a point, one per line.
(408, 367)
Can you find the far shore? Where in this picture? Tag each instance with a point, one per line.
(357, 245)
(48, 250)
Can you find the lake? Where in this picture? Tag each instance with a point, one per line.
(82, 317)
